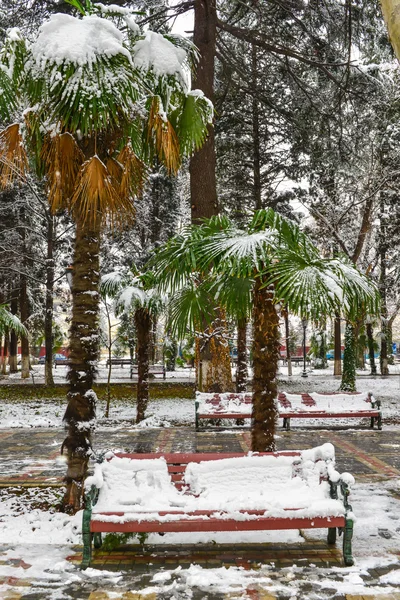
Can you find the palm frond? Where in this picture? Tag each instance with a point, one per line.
(161, 135)
(13, 160)
(62, 159)
(110, 284)
(134, 172)
(189, 309)
(233, 293)
(361, 294)
(89, 89)
(96, 198)
(8, 100)
(11, 322)
(191, 121)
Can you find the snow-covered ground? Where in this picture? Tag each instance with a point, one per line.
(37, 539)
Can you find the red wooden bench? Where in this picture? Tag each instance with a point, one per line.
(222, 406)
(328, 406)
(118, 510)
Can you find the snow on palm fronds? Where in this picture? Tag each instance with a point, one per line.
(11, 322)
(217, 262)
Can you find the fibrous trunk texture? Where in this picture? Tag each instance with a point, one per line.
(143, 323)
(348, 383)
(83, 355)
(265, 367)
(12, 361)
(214, 363)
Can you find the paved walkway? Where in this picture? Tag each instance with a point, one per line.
(27, 460)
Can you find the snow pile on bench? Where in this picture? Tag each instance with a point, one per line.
(282, 486)
(335, 403)
(228, 403)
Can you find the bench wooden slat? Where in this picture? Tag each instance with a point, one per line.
(215, 524)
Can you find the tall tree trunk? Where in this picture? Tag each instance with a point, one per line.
(287, 338)
(215, 357)
(24, 307)
(383, 245)
(5, 350)
(12, 361)
(143, 322)
(241, 367)
(265, 368)
(48, 319)
(348, 383)
(256, 132)
(337, 368)
(203, 188)
(371, 353)
(83, 355)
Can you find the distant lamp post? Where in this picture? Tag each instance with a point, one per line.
(304, 322)
(68, 274)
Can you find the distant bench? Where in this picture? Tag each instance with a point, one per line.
(143, 493)
(222, 406)
(329, 406)
(297, 360)
(238, 406)
(153, 369)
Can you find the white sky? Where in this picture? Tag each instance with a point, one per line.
(184, 23)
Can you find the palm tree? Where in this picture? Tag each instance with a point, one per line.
(138, 298)
(255, 271)
(9, 322)
(95, 112)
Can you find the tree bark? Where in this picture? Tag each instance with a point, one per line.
(203, 188)
(371, 353)
(48, 319)
(256, 133)
(265, 368)
(348, 383)
(337, 368)
(241, 368)
(83, 355)
(287, 337)
(143, 322)
(5, 350)
(383, 246)
(24, 307)
(12, 361)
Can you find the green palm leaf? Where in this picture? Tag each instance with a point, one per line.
(189, 309)
(190, 122)
(10, 321)
(8, 101)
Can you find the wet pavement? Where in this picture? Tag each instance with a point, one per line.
(308, 570)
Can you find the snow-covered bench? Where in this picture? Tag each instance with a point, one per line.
(217, 492)
(325, 406)
(222, 406)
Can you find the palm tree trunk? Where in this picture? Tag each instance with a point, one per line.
(241, 369)
(215, 357)
(143, 322)
(265, 368)
(83, 355)
(348, 383)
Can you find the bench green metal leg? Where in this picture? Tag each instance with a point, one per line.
(196, 418)
(87, 539)
(97, 540)
(347, 538)
(380, 422)
(372, 422)
(332, 535)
